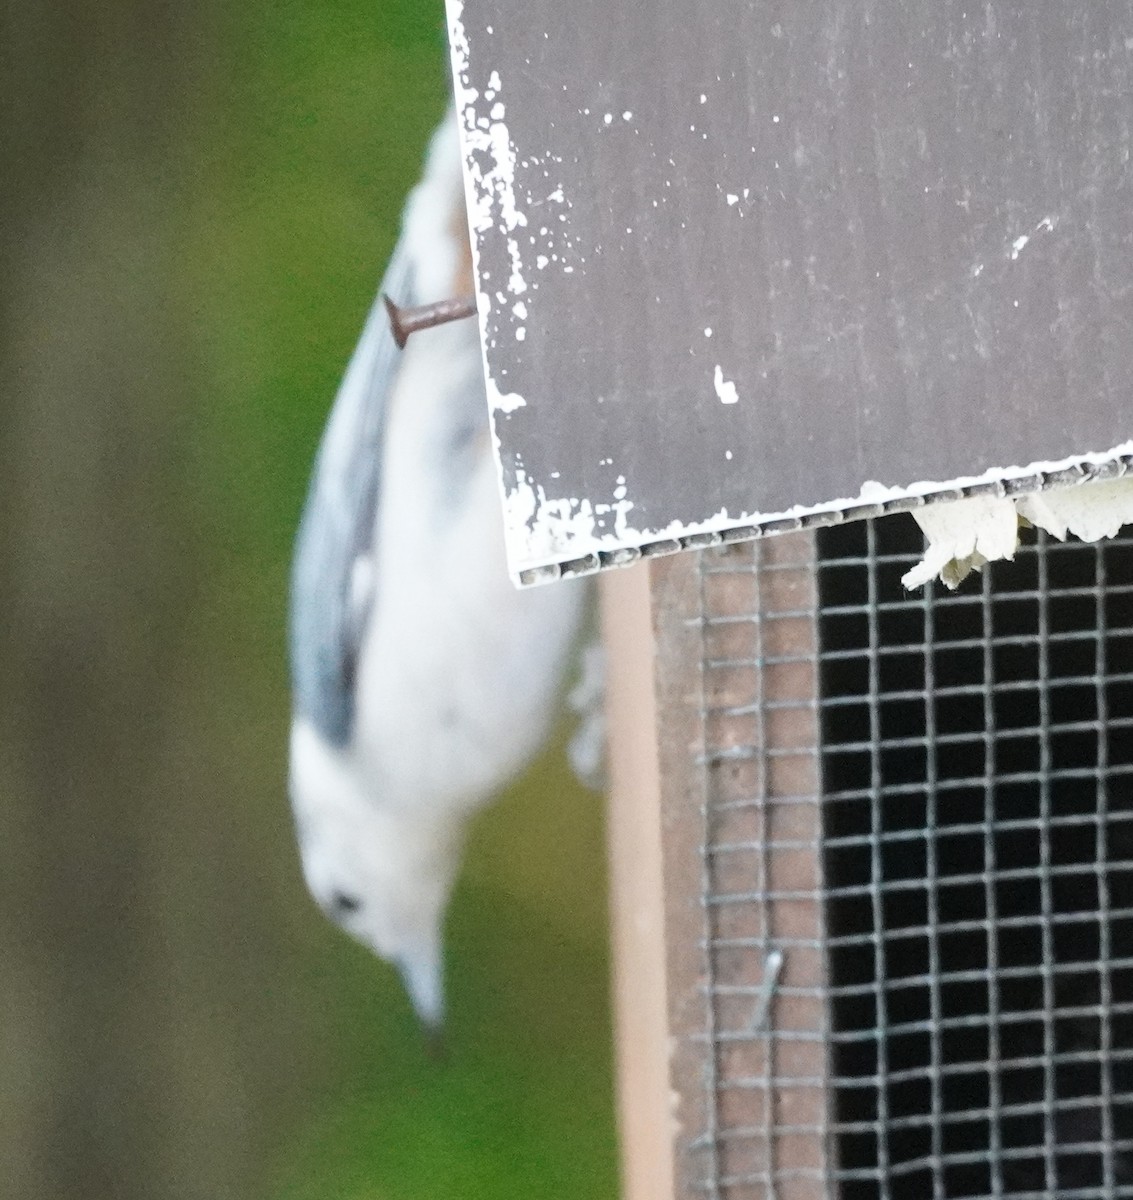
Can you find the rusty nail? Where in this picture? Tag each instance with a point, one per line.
(404, 321)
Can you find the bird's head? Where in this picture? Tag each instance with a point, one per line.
(382, 873)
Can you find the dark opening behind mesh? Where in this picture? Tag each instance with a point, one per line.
(977, 764)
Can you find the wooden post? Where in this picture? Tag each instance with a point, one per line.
(637, 900)
(715, 839)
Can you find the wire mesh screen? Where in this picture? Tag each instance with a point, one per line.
(763, 975)
(916, 849)
(977, 754)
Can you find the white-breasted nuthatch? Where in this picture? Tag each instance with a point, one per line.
(423, 680)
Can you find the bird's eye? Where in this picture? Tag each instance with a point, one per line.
(343, 903)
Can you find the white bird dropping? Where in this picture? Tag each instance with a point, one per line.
(423, 681)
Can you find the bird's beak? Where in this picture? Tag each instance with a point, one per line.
(423, 975)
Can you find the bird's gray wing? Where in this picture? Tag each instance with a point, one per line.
(332, 577)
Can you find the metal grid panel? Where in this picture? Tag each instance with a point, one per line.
(764, 966)
(978, 855)
(917, 872)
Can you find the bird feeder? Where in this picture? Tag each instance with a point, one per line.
(762, 269)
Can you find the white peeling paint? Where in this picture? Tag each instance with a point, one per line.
(503, 402)
(531, 549)
(1092, 512)
(732, 198)
(516, 283)
(965, 535)
(499, 204)
(492, 194)
(554, 527)
(725, 388)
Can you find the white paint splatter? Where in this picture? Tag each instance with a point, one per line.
(725, 388)
(489, 184)
(490, 162)
(503, 402)
(555, 527)
(1046, 225)
(732, 198)
(499, 202)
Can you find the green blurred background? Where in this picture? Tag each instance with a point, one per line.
(196, 207)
